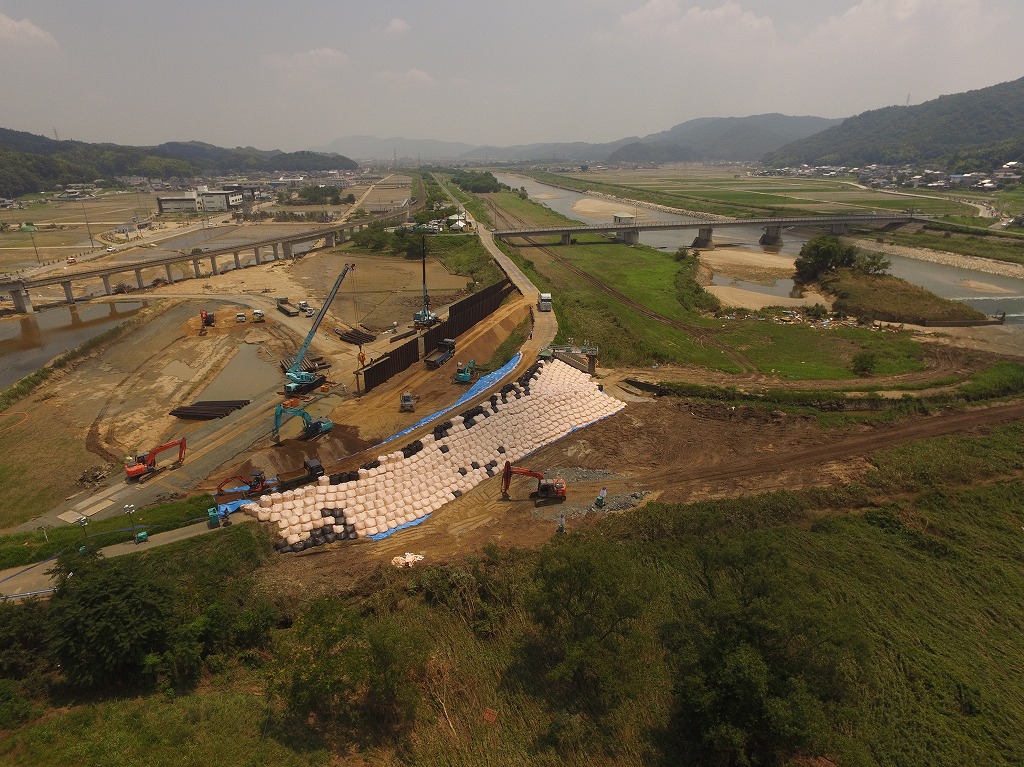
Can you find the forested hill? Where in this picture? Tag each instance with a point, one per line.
(985, 126)
(721, 138)
(31, 163)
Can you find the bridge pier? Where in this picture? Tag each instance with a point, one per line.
(287, 248)
(274, 246)
(170, 274)
(329, 240)
(67, 292)
(22, 301)
(213, 265)
(703, 239)
(138, 279)
(195, 268)
(106, 284)
(839, 229)
(566, 238)
(772, 235)
(256, 254)
(238, 262)
(628, 236)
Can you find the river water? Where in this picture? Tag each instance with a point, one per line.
(29, 341)
(989, 293)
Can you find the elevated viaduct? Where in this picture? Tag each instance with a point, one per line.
(263, 251)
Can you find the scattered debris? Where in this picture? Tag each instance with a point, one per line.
(407, 560)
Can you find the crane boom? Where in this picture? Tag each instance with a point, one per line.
(295, 373)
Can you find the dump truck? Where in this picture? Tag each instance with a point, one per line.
(445, 351)
(311, 471)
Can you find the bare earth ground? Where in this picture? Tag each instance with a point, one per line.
(653, 449)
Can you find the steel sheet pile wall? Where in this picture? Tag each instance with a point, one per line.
(391, 364)
(404, 487)
(466, 313)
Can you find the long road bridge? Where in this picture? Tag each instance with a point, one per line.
(279, 247)
(627, 229)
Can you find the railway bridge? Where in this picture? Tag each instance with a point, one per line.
(627, 229)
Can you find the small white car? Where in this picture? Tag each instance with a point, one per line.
(111, 249)
(240, 317)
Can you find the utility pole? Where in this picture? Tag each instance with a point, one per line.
(92, 243)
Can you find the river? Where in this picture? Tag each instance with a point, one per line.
(29, 341)
(986, 292)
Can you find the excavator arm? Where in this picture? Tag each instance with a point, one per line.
(146, 464)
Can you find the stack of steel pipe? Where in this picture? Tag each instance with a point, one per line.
(207, 410)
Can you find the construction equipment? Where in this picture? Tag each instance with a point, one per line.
(243, 488)
(312, 427)
(208, 318)
(425, 318)
(144, 466)
(445, 351)
(407, 404)
(299, 380)
(548, 490)
(464, 374)
(286, 307)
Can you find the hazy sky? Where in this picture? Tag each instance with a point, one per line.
(293, 74)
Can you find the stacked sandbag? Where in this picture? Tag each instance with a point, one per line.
(402, 488)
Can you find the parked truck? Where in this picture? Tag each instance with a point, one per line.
(287, 307)
(544, 302)
(445, 351)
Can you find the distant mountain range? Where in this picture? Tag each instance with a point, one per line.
(706, 138)
(31, 163)
(982, 127)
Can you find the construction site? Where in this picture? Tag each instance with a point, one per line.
(337, 399)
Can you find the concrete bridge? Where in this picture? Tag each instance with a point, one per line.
(628, 231)
(278, 247)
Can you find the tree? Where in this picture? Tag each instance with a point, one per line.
(872, 263)
(759, 661)
(587, 605)
(822, 255)
(864, 363)
(105, 622)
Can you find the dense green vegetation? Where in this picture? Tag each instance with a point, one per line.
(977, 130)
(477, 182)
(876, 623)
(826, 255)
(888, 298)
(30, 163)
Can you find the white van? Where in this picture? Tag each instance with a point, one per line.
(544, 302)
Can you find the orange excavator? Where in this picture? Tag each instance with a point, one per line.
(548, 490)
(144, 466)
